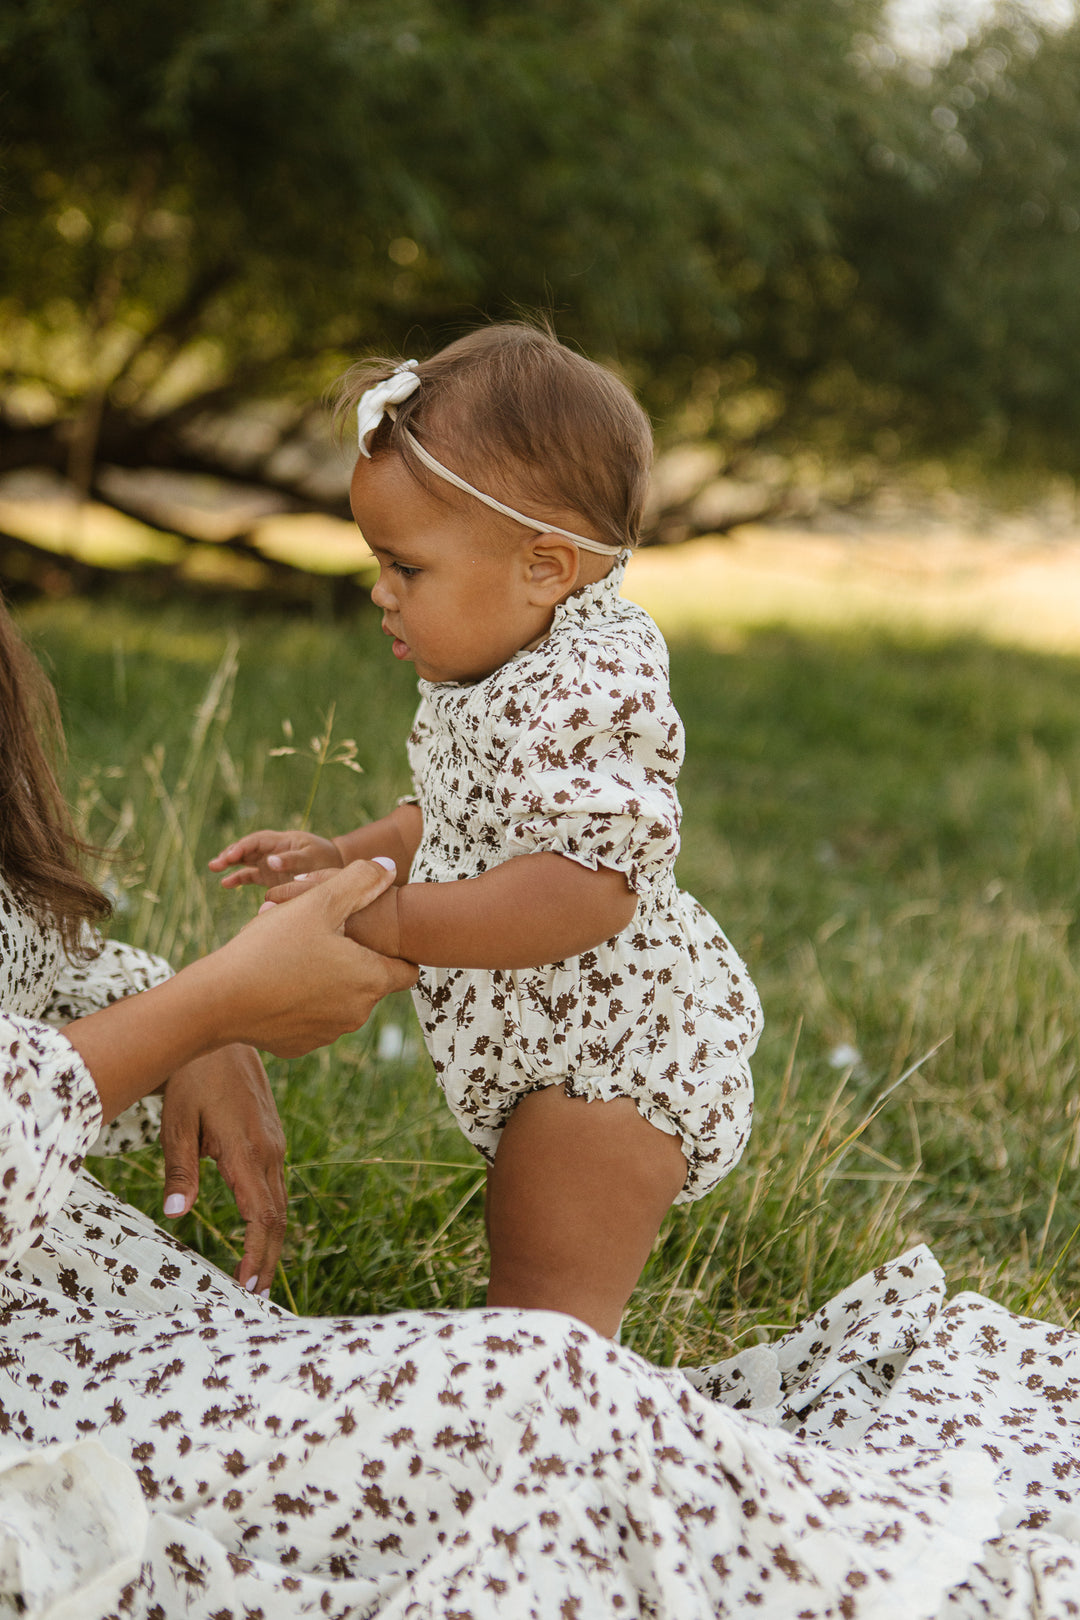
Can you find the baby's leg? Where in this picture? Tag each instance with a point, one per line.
(575, 1199)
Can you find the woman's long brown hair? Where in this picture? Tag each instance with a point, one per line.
(40, 851)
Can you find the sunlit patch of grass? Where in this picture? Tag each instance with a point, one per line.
(885, 826)
(1015, 589)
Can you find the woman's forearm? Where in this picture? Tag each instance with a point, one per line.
(133, 1046)
(288, 982)
(530, 910)
(397, 835)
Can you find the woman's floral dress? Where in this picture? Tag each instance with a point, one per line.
(172, 1447)
(573, 747)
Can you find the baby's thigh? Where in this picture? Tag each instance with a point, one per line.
(575, 1199)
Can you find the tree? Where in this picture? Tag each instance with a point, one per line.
(210, 202)
(962, 234)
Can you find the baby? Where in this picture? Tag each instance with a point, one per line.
(589, 1023)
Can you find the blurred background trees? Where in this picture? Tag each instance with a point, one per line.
(780, 228)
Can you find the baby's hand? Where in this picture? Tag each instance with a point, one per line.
(269, 857)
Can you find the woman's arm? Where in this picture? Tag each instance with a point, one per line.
(217, 1107)
(288, 982)
(530, 910)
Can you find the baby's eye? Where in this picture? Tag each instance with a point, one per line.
(404, 570)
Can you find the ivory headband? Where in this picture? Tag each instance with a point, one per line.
(383, 400)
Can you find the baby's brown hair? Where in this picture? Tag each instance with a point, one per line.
(512, 410)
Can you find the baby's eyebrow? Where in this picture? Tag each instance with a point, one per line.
(391, 552)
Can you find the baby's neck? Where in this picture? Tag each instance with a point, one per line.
(592, 567)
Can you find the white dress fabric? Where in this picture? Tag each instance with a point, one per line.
(574, 747)
(173, 1449)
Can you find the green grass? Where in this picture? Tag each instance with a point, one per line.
(886, 828)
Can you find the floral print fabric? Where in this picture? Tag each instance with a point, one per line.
(171, 1448)
(574, 747)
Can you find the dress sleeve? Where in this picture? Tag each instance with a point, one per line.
(82, 988)
(592, 774)
(49, 1114)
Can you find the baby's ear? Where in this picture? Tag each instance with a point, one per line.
(552, 565)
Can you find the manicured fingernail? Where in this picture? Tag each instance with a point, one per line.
(274, 861)
(267, 905)
(264, 1293)
(251, 1282)
(384, 860)
(301, 877)
(175, 1204)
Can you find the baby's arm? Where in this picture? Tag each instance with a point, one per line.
(530, 910)
(397, 835)
(269, 857)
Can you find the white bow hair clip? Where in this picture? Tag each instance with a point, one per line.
(380, 401)
(384, 399)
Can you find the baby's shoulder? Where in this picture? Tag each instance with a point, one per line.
(626, 638)
(621, 657)
(610, 677)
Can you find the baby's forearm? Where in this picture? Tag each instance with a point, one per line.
(397, 835)
(531, 910)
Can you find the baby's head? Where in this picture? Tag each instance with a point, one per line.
(493, 481)
(517, 415)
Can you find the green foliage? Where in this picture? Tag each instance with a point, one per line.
(777, 226)
(885, 827)
(226, 200)
(962, 233)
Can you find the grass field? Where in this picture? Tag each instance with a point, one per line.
(884, 822)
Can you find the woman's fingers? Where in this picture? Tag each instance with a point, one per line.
(312, 853)
(220, 1107)
(180, 1149)
(259, 1190)
(397, 973)
(304, 882)
(336, 895)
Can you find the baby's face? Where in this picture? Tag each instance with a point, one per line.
(455, 593)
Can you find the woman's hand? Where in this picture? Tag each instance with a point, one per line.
(268, 857)
(289, 982)
(376, 927)
(221, 1107)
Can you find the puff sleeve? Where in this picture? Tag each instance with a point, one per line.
(592, 775)
(49, 1115)
(81, 988)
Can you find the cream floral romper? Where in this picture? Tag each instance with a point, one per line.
(574, 747)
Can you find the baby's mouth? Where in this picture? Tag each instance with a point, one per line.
(400, 649)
